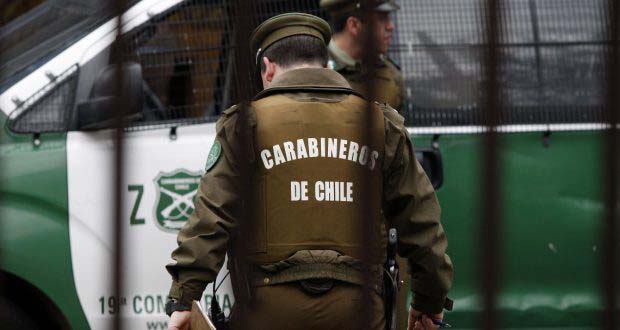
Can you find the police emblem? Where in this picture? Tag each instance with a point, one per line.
(214, 155)
(175, 198)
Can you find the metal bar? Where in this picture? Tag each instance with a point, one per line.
(611, 178)
(3, 233)
(369, 61)
(491, 198)
(242, 13)
(226, 58)
(537, 45)
(119, 109)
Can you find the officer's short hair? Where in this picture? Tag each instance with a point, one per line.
(338, 24)
(296, 49)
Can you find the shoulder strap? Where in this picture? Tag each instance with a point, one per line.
(391, 114)
(393, 63)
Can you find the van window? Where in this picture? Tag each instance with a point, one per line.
(187, 57)
(184, 54)
(14, 9)
(552, 69)
(48, 110)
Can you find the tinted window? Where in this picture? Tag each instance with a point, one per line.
(552, 70)
(187, 59)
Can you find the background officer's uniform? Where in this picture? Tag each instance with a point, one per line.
(305, 256)
(389, 86)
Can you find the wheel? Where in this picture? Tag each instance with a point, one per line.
(13, 317)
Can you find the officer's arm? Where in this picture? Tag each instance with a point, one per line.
(202, 242)
(410, 205)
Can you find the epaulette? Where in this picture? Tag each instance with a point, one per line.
(226, 118)
(391, 114)
(231, 116)
(231, 110)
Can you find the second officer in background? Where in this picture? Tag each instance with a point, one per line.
(348, 46)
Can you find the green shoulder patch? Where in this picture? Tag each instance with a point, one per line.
(214, 155)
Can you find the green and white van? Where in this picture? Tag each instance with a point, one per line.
(57, 175)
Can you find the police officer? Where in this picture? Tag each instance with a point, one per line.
(348, 44)
(312, 147)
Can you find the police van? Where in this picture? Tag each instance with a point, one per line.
(58, 175)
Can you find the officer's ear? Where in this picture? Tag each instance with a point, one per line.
(354, 26)
(269, 72)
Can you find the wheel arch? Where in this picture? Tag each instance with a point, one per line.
(35, 302)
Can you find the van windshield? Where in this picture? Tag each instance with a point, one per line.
(35, 32)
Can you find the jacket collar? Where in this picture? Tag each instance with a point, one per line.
(338, 58)
(308, 80)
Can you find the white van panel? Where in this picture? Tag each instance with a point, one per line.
(147, 247)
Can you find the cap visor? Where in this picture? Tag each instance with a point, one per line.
(387, 7)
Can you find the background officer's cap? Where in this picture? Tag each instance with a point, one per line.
(286, 25)
(339, 8)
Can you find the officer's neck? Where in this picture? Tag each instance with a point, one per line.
(278, 71)
(349, 45)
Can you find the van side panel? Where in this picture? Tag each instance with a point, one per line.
(551, 222)
(34, 234)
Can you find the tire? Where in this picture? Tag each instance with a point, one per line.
(13, 317)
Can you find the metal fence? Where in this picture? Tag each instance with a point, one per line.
(552, 59)
(483, 63)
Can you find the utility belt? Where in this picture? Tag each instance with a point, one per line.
(319, 278)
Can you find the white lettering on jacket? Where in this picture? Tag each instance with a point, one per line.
(334, 148)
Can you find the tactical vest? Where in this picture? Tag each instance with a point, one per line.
(318, 168)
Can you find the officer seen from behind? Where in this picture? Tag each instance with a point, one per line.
(348, 46)
(312, 147)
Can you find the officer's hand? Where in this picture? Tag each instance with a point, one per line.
(179, 320)
(420, 321)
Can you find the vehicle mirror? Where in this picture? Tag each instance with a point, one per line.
(431, 162)
(98, 111)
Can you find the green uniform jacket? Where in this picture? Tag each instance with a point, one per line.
(389, 83)
(409, 204)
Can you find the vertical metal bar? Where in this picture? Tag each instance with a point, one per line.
(536, 35)
(491, 198)
(119, 112)
(369, 62)
(3, 233)
(612, 177)
(242, 14)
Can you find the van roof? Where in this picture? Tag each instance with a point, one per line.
(45, 30)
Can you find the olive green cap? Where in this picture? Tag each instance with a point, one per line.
(342, 7)
(286, 25)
